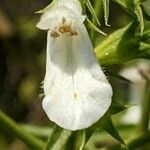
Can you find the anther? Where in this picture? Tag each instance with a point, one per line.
(74, 33)
(54, 34)
(65, 28)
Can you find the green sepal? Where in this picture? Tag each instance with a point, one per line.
(92, 11)
(106, 11)
(120, 46)
(109, 127)
(93, 27)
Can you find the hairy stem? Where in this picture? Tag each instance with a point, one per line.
(10, 126)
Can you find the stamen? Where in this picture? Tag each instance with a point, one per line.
(65, 28)
(54, 34)
(74, 33)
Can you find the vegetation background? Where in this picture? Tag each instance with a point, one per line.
(124, 56)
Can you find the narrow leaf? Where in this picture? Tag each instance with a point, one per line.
(139, 14)
(134, 9)
(110, 129)
(127, 5)
(92, 26)
(91, 9)
(106, 11)
(119, 77)
(117, 108)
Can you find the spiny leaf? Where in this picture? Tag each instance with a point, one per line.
(120, 46)
(109, 127)
(139, 14)
(104, 121)
(118, 76)
(91, 9)
(106, 11)
(92, 26)
(117, 108)
(133, 8)
(127, 5)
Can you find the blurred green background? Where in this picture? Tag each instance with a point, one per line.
(22, 65)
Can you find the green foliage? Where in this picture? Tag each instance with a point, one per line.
(116, 47)
(106, 11)
(133, 7)
(129, 42)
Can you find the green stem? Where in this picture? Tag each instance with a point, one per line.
(146, 108)
(9, 125)
(38, 131)
(140, 141)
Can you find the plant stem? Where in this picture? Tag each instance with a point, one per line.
(38, 131)
(9, 125)
(140, 141)
(146, 108)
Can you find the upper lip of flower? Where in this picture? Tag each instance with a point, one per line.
(62, 16)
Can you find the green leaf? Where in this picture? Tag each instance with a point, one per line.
(106, 11)
(139, 14)
(91, 9)
(92, 26)
(117, 76)
(120, 46)
(146, 6)
(117, 108)
(128, 5)
(103, 123)
(109, 127)
(58, 139)
(145, 47)
(133, 8)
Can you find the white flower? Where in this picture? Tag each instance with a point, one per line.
(77, 93)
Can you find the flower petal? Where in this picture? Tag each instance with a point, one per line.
(77, 92)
